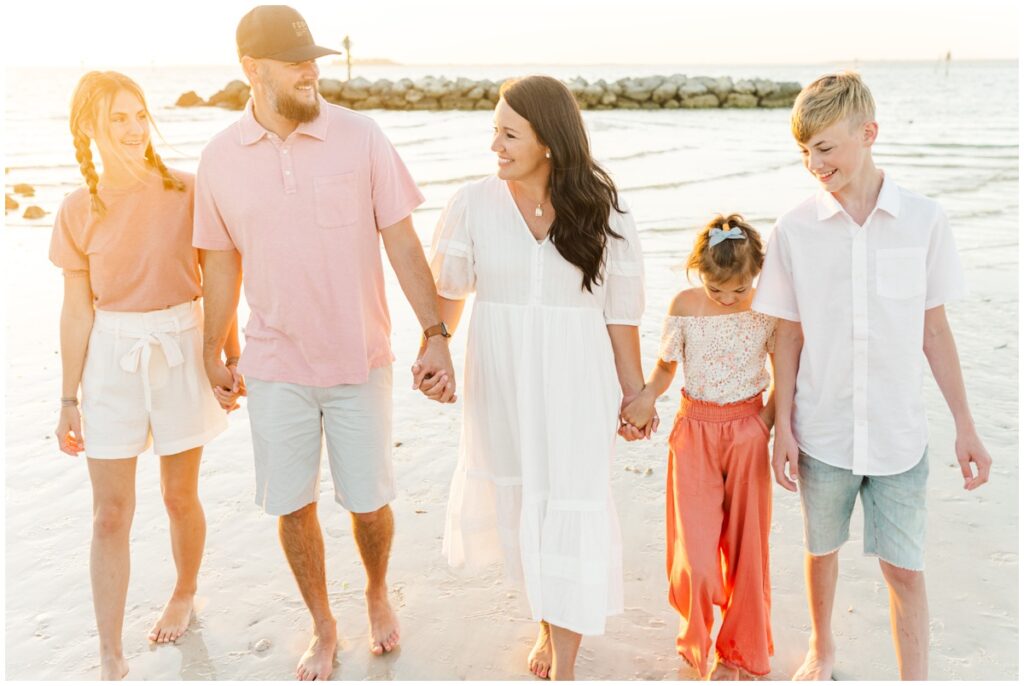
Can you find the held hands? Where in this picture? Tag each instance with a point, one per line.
(637, 417)
(433, 373)
(228, 384)
(970, 449)
(69, 431)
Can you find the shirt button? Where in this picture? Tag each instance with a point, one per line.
(287, 171)
(285, 151)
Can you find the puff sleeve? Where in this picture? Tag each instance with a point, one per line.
(451, 250)
(624, 275)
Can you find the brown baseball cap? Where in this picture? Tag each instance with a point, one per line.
(277, 32)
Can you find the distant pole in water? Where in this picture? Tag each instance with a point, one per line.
(347, 44)
(949, 58)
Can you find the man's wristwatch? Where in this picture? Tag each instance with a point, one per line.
(436, 330)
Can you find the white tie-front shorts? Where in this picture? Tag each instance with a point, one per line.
(144, 383)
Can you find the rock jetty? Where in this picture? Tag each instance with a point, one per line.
(439, 93)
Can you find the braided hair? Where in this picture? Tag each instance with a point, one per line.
(89, 105)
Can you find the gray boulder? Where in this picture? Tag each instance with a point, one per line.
(740, 101)
(432, 87)
(692, 87)
(372, 102)
(330, 88)
(577, 86)
(777, 100)
(744, 87)
(763, 87)
(592, 94)
(463, 86)
(666, 91)
(356, 89)
(34, 212)
(699, 102)
(787, 88)
(380, 87)
(641, 89)
(24, 190)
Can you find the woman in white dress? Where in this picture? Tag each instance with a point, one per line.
(553, 349)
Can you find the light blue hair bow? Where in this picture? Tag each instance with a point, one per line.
(717, 235)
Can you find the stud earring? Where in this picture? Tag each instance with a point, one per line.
(548, 154)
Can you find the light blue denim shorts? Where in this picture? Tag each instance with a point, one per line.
(895, 511)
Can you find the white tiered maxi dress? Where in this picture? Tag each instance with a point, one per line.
(541, 403)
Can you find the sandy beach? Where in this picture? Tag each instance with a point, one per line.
(251, 622)
(952, 136)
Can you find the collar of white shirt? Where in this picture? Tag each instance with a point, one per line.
(888, 200)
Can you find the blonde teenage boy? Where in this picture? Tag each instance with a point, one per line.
(859, 275)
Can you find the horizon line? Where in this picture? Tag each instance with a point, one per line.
(386, 62)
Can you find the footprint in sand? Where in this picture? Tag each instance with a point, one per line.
(261, 646)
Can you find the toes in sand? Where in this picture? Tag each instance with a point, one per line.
(317, 663)
(539, 660)
(384, 629)
(174, 620)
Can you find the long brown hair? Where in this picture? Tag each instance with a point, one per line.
(582, 193)
(89, 106)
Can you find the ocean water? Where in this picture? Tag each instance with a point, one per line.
(952, 135)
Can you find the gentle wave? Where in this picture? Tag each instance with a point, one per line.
(707, 179)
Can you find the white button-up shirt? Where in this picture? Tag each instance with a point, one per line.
(860, 294)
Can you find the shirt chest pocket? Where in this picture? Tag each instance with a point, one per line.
(900, 273)
(335, 200)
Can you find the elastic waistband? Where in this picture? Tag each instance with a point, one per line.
(182, 317)
(703, 411)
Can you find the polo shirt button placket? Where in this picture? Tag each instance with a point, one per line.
(289, 177)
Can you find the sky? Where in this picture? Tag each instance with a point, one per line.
(97, 33)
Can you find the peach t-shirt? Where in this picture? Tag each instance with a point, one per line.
(139, 254)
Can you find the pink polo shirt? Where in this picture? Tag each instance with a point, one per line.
(304, 213)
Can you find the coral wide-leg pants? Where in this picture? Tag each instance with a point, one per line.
(718, 518)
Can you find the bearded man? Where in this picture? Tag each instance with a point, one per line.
(292, 201)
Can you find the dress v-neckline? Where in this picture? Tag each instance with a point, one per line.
(522, 219)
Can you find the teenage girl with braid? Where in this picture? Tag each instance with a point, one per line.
(130, 334)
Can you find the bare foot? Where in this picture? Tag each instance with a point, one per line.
(113, 668)
(317, 662)
(723, 671)
(174, 620)
(539, 660)
(384, 628)
(816, 667)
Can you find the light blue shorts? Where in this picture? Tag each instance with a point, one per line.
(895, 511)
